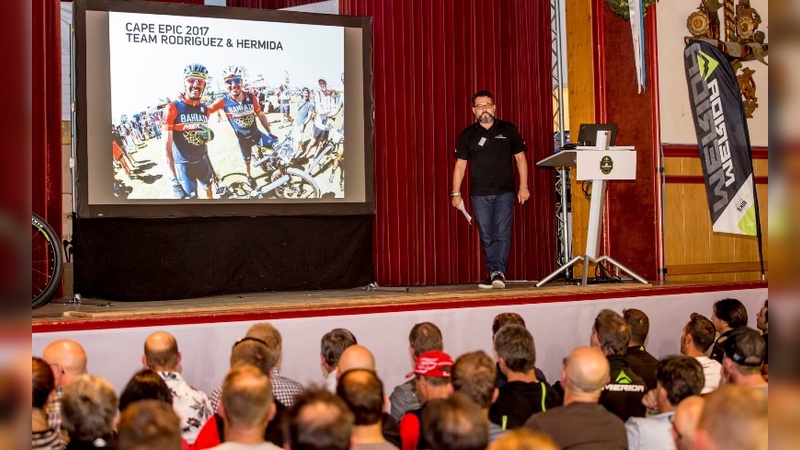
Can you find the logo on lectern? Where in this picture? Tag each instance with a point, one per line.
(606, 165)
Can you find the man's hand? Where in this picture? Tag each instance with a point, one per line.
(177, 190)
(649, 400)
(523, 195)
(455, 201)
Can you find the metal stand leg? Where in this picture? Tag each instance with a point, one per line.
(620, 267)
(78, 300)
(566, 266)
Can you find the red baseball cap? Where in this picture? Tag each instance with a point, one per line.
(434, 364)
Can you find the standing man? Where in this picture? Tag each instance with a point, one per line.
(489, 144)
(242, 109)
(324, 108)
(185, 122)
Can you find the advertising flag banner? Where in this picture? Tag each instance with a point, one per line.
(722, 137)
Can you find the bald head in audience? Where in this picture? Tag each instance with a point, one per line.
(585, 372)
(356, 357)
(67, 359)
(161, 352)
(684, 422)
(733, 417)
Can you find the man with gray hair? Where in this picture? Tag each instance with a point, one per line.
(332, 344)
(581, 422)
(89, 407)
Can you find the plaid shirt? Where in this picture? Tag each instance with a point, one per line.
(284, 390)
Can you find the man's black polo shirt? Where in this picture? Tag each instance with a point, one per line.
(490, 152)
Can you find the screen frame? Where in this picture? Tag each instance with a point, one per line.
(84, 208)
(589, 131)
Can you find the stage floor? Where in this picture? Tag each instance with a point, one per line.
(96, 313)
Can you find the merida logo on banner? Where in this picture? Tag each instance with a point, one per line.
(711, 121)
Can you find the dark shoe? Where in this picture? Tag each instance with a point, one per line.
(251, 182)
(498, 280)
(486, 284)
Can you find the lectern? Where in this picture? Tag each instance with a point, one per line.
(599, 164)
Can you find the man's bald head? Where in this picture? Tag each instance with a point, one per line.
(733, 417)
(586, 371)
(684, 423)
(161, 351)
(68, 359)
(356, 357)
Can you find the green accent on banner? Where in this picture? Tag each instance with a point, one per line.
(707, 64)
(748, 222)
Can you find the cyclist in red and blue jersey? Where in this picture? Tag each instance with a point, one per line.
(242, 108)
(185, 125)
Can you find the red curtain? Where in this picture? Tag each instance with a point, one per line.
(46, 167)
(428, 58)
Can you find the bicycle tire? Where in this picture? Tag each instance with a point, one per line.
(47, 260)
(308, 188)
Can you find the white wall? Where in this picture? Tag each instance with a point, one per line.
(556, 327)
(676, 115)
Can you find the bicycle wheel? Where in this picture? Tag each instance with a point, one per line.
(299, 185)
(47, 259)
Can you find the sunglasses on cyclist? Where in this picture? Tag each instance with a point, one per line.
(237, 80)
(195, 80)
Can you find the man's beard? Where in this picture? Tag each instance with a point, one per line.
(485, 118)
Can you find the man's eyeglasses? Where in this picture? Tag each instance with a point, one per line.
(195, 80)
(483, 106)
(248, 338)
(237, 80)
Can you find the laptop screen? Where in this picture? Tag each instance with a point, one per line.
(587, 134)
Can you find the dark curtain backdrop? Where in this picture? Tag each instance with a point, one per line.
(46, 108)
(428, 58)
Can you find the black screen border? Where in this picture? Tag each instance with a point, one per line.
(85, 209)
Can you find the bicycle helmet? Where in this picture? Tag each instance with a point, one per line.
(231, 72)
(195, 70)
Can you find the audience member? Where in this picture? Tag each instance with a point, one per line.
(145, 384)
(423, 337)
(640, 361)
(762, 323)
(43, 437)
(192, 406)
(359, 357)
(89, 407)
(433, 371)
(696, 339)
(247, 408)
(254, 352)
(684, 422)
(455, 423)
(582, 423)
(523, 395)
(149, 425)
(744, 353)
(523, 439)
(501, 320)
(320, 420)
(362, 392)
(728, 315)
(625, 390)
(332, 344)
(734, 417)
(474, 376)
(677, 377)
(284, 389)
(68, 361)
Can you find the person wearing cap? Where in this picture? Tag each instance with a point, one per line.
(423, 336)
(242, 108)
(744, 354)
(324, 108)
(432, 371)
(187, 134)
(491, 145)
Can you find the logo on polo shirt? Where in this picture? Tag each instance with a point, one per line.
(623, 378)
(500, 136)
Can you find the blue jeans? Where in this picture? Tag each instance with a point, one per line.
(494, 215)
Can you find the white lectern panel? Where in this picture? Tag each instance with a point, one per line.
(606, 165)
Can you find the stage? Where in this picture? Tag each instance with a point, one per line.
(559, 316)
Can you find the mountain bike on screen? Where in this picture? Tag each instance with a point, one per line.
(47, 261)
